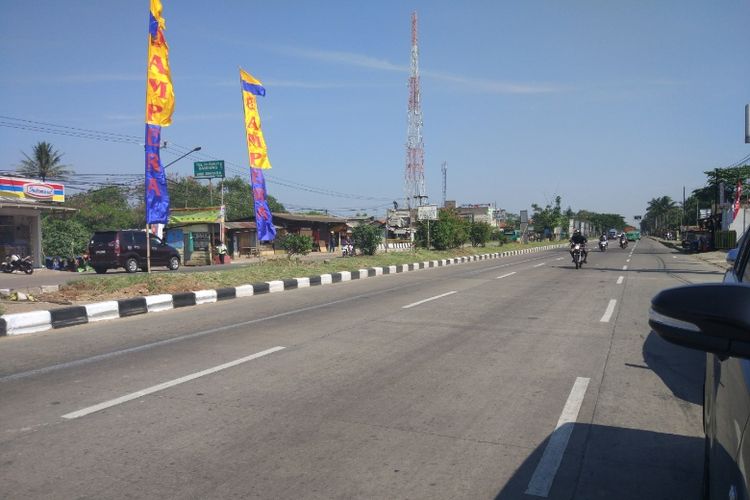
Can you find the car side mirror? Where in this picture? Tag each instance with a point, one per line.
(712, 317)
(732, 256)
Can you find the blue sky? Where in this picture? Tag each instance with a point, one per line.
(607, 104)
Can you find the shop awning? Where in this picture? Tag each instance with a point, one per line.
(7, 202)
(196, 217)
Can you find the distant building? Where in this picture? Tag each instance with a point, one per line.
(481, 212)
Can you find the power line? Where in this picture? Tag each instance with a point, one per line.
(81, 133)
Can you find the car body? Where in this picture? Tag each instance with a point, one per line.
(715, 318)
(127, 249)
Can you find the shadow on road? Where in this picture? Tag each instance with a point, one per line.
(681, 369)
(615, 463)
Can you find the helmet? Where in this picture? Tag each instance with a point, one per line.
(577, 231)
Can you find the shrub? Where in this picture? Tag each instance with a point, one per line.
(297, 244)
(64, 238)
(367, 238)
(480, 233)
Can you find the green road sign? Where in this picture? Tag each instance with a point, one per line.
(209, 169)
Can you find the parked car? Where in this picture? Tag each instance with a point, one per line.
(127, 248)
(715, 318)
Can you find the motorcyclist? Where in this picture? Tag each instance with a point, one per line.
(581, 240)
(623, 240)
(603, 240)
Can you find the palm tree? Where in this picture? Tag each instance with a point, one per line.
(44, 163)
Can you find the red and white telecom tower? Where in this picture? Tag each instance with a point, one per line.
(414, 188)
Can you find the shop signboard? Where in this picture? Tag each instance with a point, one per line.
(31, 189)
(427, 212)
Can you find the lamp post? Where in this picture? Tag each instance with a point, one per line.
(148, 228)
(197, 148)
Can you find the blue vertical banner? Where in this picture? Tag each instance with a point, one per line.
(263, 219)
(157, 197)
(159, 108)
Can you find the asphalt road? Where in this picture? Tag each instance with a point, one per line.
(509, 378)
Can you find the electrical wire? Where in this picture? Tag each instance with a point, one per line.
(51, 128)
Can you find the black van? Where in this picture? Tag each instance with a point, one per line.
(127, 248)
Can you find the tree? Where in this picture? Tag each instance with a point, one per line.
(45, 163)
(367, 238)
(480, 233)
(108, 207)
(548, 218)
(449, 231)
(64, 237)
(189, 192)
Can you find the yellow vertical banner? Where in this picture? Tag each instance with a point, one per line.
(256, 144)
(159, 90)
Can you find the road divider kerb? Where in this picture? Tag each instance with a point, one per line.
(40, 321)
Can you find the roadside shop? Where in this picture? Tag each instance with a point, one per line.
(22, 202)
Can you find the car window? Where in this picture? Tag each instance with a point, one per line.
(139, 238)
(103, 238)
(155, 240)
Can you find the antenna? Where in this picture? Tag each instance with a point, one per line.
(414, 186)
(444, 170)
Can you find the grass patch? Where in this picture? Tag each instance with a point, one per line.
(91, 288)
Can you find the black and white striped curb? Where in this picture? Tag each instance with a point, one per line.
(39, 321)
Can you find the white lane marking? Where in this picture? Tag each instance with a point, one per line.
(619, 280)
(539, 265)
(627, 260)
(674, 256)
(505, 275)
(608, 313)
(167, 385)
(427, 300)
(559, 258)
(546, 469)
(624, 268)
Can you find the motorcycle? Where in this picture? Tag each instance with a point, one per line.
(348, 250)
(623, 242)
(577, 250)
(603, 245)
(15, 263)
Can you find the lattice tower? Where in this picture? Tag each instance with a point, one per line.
(444, 170)
(414, 187)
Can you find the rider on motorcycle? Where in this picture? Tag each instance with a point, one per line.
(581, 240)
(623, 240)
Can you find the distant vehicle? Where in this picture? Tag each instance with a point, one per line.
(127, 248)
(612, 234)
(713, 317)
(695, 241)
(633, 235)
(512, 234)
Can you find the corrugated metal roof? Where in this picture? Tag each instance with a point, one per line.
(308, 218)
(240, 225)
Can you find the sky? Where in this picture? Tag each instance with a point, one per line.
(606, 104)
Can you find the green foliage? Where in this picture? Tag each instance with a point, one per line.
(548, 217)
(480, 233)
(449, 231)
(189, 192)
(297, 244)
(367, 238)
(64, 237)
(106, 208)
(601, 222)
(44, 163)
